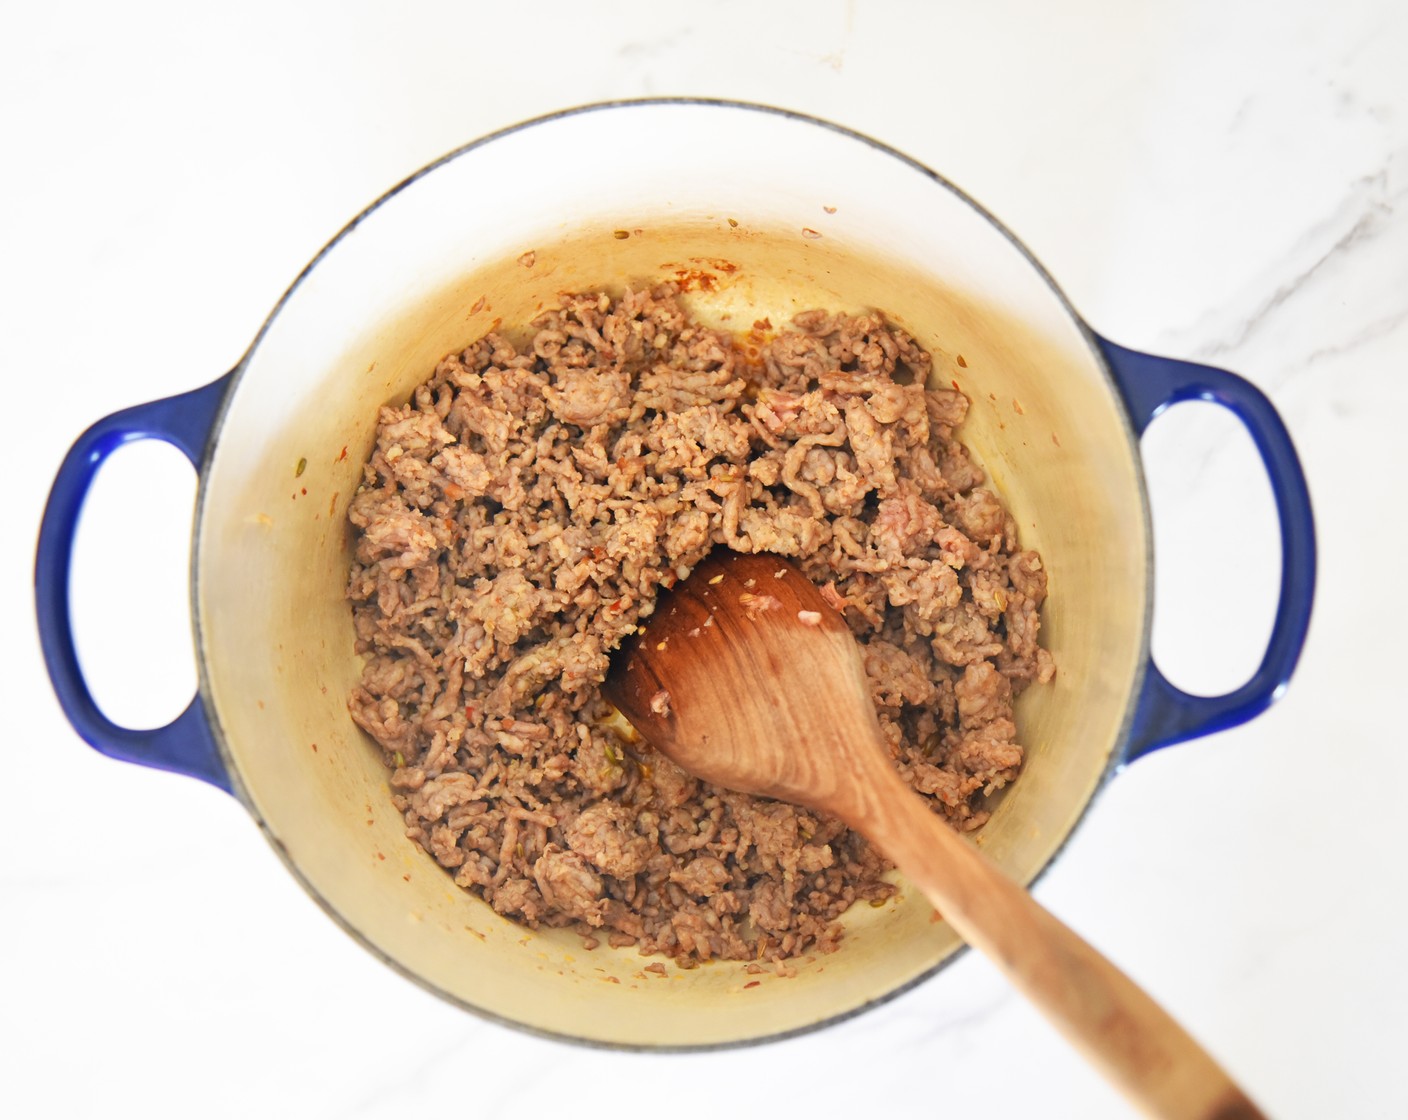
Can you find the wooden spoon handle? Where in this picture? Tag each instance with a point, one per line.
(1119, 1029)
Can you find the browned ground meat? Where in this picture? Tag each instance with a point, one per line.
(515, 522)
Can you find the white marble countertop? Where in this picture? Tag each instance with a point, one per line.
(1216, 179)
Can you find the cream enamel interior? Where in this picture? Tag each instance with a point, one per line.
(442, 261)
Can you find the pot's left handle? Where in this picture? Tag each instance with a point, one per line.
(186, 745)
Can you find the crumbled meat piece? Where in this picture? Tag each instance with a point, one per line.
(569, 884)
(769, 908)
(605, 835)
(755, 605)
(517, 520)
(701, 877)
(896, 677)
(983, 694)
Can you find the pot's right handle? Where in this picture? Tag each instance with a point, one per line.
(187, 744)
(1165, 714)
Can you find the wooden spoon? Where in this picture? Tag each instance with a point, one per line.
(746, 677)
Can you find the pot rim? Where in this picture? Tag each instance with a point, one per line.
(1113, 764)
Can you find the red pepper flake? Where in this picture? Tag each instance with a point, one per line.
(315, 748)
(955, 385)
(343, 455)
(733, 223)
(829, 209)
(752, 984)
(507, 723)
(809, 233)
(1054, 440)
(469, 711)
(1017, 407)
(478, 305)
(381, 855)
(406, 877)
(961, 362)
(303, 490)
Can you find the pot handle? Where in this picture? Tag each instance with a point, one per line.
(1166, 715)
(187, 744)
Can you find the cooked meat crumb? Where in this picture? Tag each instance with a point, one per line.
(755, 605)
(516, 521)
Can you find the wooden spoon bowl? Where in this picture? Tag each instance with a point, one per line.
(746, 677)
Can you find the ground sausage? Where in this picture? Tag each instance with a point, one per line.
(516, 520)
